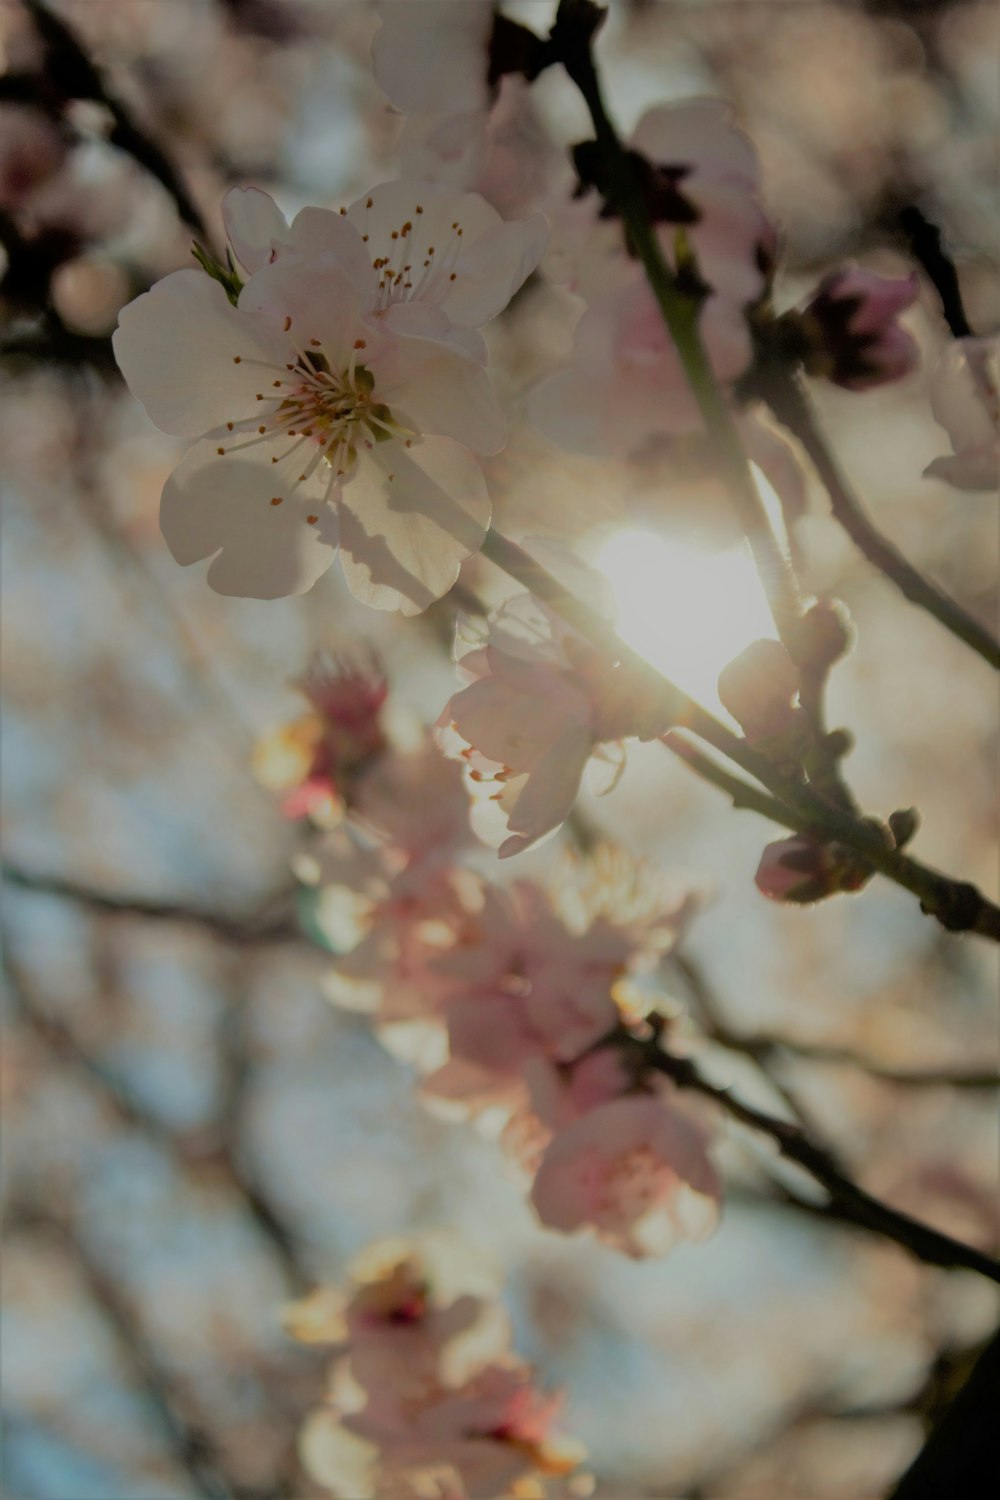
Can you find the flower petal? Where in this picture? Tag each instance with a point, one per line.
(437, 388)
(187, 354)
(253, 223)
(227, 507)
(409, 518)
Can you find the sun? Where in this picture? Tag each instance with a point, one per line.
(687, 611)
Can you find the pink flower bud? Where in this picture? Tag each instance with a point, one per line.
(758, 689)
(859, 342)
(801, 870)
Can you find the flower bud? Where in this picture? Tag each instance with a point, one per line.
(853, 323)
(758, 689)
(823, 635)
(801, 870)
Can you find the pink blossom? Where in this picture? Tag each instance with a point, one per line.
(626, 386)
(637, 1171)
(315, 758)
(965, 399)
(701, 177)
(505, 153)
(802, 870)
(540, 703)
(759, 687)
(858, 340)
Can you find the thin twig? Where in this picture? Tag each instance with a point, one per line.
(249, 931)
(571, 38)
(956, 904)
(848, 1201)
(787, 399)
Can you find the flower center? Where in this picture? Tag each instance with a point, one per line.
(326, 414)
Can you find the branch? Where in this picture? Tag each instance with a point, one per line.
(848, 1201)
(132, 1110)
(189, 1443)
(77, 77)
(571, 37)
(927, 249)
(788, 401)
(956, 904)
(238, 931)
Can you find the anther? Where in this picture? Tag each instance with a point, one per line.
(277, 499)
(237, 359)
(288, 322)
(312, 520)
(230, 426)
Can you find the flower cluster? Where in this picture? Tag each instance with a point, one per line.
(426, 1401)
(530, 1007)
(335, 392)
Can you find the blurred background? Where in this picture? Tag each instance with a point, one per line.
(193, 1133)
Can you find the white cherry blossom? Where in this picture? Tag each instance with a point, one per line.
(319, 420)
(406, 242)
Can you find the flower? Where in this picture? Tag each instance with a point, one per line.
(319, 423)
(408, 243)
(315, 758)
(540, 703)
(700, 176)
(965, 399)
(626, 385)
(458, 72)
(636, 1170)
(856, 338)
(426, 1401)
(801, 870)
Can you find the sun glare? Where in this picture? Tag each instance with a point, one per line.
(689, 612)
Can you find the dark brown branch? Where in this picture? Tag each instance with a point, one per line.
(75, 76)
(239, 931)
(788, 401)
(848, 1201)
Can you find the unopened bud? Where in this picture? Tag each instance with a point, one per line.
(903, 824)
(856, 336)
(823, 635)
(802, 870)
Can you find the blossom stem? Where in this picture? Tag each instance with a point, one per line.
(790, 404)
(956, 904)
(680, 313)
(849, 1201)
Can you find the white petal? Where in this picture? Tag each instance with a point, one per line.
(550, 791)
(404, 537)
(225, 506)
(315, 297)
(254, 222)
(438, 389)
(186, 354)
(320, 231)
(494, 268)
